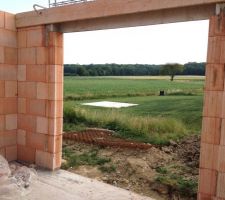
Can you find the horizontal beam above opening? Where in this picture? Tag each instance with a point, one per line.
(103, 9)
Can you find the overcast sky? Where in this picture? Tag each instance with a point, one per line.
(180, 42)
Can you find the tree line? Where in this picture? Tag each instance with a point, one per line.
(191, 68)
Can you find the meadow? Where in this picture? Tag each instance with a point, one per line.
(79, 88)
(156, 119)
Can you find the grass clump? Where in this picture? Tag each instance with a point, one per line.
(142, 128)
(184, 186)
(173, 177)
(107, 168)
(87, 158)
(161, 170)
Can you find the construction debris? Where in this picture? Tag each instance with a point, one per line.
(15, 179)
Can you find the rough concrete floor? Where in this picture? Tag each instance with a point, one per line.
(63, 185)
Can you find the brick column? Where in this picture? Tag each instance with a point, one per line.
(40, 96)
(212, 158)
(8, 86)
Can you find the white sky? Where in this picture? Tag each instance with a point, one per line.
(180, 42)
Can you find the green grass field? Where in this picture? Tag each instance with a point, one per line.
(156, 119)
(79, 88)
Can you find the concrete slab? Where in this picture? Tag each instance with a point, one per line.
(65, 185)
(110, 104)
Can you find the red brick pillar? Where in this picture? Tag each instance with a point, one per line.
(40, 96)
(8, 86)
(212, 158)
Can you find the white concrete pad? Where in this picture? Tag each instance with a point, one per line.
(110, 104)
(64, 185)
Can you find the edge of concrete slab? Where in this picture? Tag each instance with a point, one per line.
(65, 185)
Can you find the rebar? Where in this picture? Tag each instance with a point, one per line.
(55, 3)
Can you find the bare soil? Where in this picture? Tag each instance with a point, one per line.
(140, 170)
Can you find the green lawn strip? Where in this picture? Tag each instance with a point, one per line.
(77, 88)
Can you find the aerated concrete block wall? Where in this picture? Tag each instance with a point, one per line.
(40, 96)
(31, 93)
(212, 158)
(8, 86)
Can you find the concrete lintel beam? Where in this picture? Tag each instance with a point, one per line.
(139, 19)
(103, 9)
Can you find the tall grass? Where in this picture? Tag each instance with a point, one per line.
(146, 129)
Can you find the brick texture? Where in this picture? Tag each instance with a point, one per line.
(40, 96)
(212, 159)
(8, 86)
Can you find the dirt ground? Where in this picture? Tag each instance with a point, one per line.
(169, 172)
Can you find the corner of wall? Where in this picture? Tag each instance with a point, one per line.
(8, 86)
(40, 96)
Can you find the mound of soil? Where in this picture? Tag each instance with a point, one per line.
(138, 170)
(188, 150)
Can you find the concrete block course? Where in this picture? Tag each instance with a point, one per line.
(213, 103)
(42, 55)
(48, 160)
(8, 72)
(221, 159)
(8, 38)
(10, 89)
(220, 186)
(8, 86)
(10, 55)
(9, 138)
(27, 56)
(208, 181)
(21, 137)
(215, 72)
(10, 21)
(212, 162)
(25, 154)
(11, 153)
(2, 88)
(36, 73)
(21, 73)
(27, 89)
(222, 137)
(11, 122)
(40, 95)
(209, 156)
(42, 125)
(211, 130)
(35, 37)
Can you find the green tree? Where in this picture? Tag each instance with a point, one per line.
(172, 69)
(81, 71)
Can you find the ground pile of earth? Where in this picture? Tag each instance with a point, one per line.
(168, 172)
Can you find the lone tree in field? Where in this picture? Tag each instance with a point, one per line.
(172, 69)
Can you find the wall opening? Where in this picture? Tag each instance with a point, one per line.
(105, 71)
